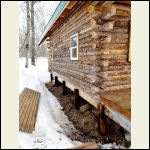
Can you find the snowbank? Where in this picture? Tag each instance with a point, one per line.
(51, 121)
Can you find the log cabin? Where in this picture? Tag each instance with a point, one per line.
(89, 51)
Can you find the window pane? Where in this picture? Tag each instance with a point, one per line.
(74, 41)
(74, 52)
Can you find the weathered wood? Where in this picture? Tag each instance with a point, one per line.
(85, 107)
(56, 81)
(64, 88)
(102, 121)
(77, 99)
(117, 35)
(118, 118)
(86, 146)
(52, 78)
(106, 49)
(116, 107)
(28, 106)
(92, 100)
(95, 9)
(117, 10)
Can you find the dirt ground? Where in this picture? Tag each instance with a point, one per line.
(87, 122)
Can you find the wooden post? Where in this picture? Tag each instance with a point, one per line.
(76, 98)
(64, 88)
(102, 121)
(56, 81)
(52, 77)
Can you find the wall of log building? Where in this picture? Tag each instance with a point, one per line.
(103, 47)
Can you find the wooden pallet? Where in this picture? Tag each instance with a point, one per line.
(28, 106)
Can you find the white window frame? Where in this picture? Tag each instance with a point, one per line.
(74, 58)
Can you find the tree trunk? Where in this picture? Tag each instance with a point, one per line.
(28, 34)
(33, 34)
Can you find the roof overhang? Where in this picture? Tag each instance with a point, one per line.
(61, 11)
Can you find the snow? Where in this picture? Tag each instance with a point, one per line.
(51, 124)
(51, 121)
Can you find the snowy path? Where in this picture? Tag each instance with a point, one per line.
(51, 121)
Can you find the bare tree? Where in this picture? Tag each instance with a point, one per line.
(41, 17)
(33, 34)
(28, 34)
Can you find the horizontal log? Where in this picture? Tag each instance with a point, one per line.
(112, 57)
(122, 7)
(114, 83)
(117, 24)
(113, 73)
(118, 87)
(92, 79)
(113, 46)
(95, 90)
(96, 9)
(123, 12)
(121, 67)
(98, 34)
(85, 107)
(108, 39)
(105, 52)
(119, 77)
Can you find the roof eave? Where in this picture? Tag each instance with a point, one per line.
(64, 6)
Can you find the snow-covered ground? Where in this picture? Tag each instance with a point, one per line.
(51, 121)
(52, 124)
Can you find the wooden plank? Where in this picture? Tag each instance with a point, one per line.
(64, 88)
(56, 81)
(32, 123)
(119, 101)
(31, 114)
(28, 109)
(76, 98)
(51, 75)
(116, 107)
(25, 112)
(102, 120)
(118, 118)
(21, 97)
(85, 107)
(22, 108)
(120, 97)
(86, 146)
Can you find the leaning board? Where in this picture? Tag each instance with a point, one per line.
(28, 106)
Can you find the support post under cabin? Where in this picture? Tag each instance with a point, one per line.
(64, 88)
(76, 98)
(51, 77)
(56, 81)
(102, 120)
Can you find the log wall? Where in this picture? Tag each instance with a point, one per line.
(102, 63)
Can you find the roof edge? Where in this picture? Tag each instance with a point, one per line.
(62, 5)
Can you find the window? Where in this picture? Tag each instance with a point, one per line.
(74, 47)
